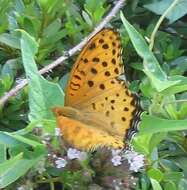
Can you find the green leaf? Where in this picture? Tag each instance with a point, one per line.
(52, 28)
(170, 185)
(95, 10)
(7, 175)
(2, 153)
(141, 143)
(87, 18)
(10, 68)
(151, 66)
(178, 66)
(159, 7)
(6, 82)
(144, 182)
(182, 163)
(45, 125)
(43, 95)
(182, 185)
(24, 140)
(8, 140)
(48, 40)
(29, 27)
(155, 174)
(173, 176)
(10, 40)
(155, 184)
(147, 88)
(152, 124)
(13, 139)
(16, 167)
(179, 87)
(19, 6)
(13, 25)
(155, 140)
(146, 143)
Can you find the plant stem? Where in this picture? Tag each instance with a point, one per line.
(176, 101)
(56, 179)
(152, 38)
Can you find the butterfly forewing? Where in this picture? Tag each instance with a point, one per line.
(99, 62)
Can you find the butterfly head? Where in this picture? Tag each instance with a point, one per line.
(65, 111)
(57, 111)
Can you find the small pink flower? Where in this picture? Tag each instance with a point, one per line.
(60, 163)
(116, 152)
(135, 160)
(73, 153)
(116, 160)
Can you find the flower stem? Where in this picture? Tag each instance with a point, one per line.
(152, 38)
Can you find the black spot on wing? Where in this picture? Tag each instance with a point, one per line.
(93, 71)
(104, 63)
(105, 46)
(90, 83)
(102, 86)
(92, 46)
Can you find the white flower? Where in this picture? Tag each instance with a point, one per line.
(21, 188)
(116, 152)
(73, 153)
(57, 132)
(60, 163)
(135, 166)
(116, 160)
(135, 160)
(54, 155)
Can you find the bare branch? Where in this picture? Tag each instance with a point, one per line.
(68, 54)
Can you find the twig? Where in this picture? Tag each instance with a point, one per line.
(66, 55)
(152, 38)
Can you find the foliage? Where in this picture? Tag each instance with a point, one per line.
(33, 34)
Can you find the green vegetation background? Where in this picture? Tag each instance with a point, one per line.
(37, 33)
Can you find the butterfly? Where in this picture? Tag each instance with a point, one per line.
(99, 109)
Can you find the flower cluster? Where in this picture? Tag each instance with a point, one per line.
(116, 158)
(71, 154)
(135, 160)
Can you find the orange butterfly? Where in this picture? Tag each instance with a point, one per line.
(99, 109)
